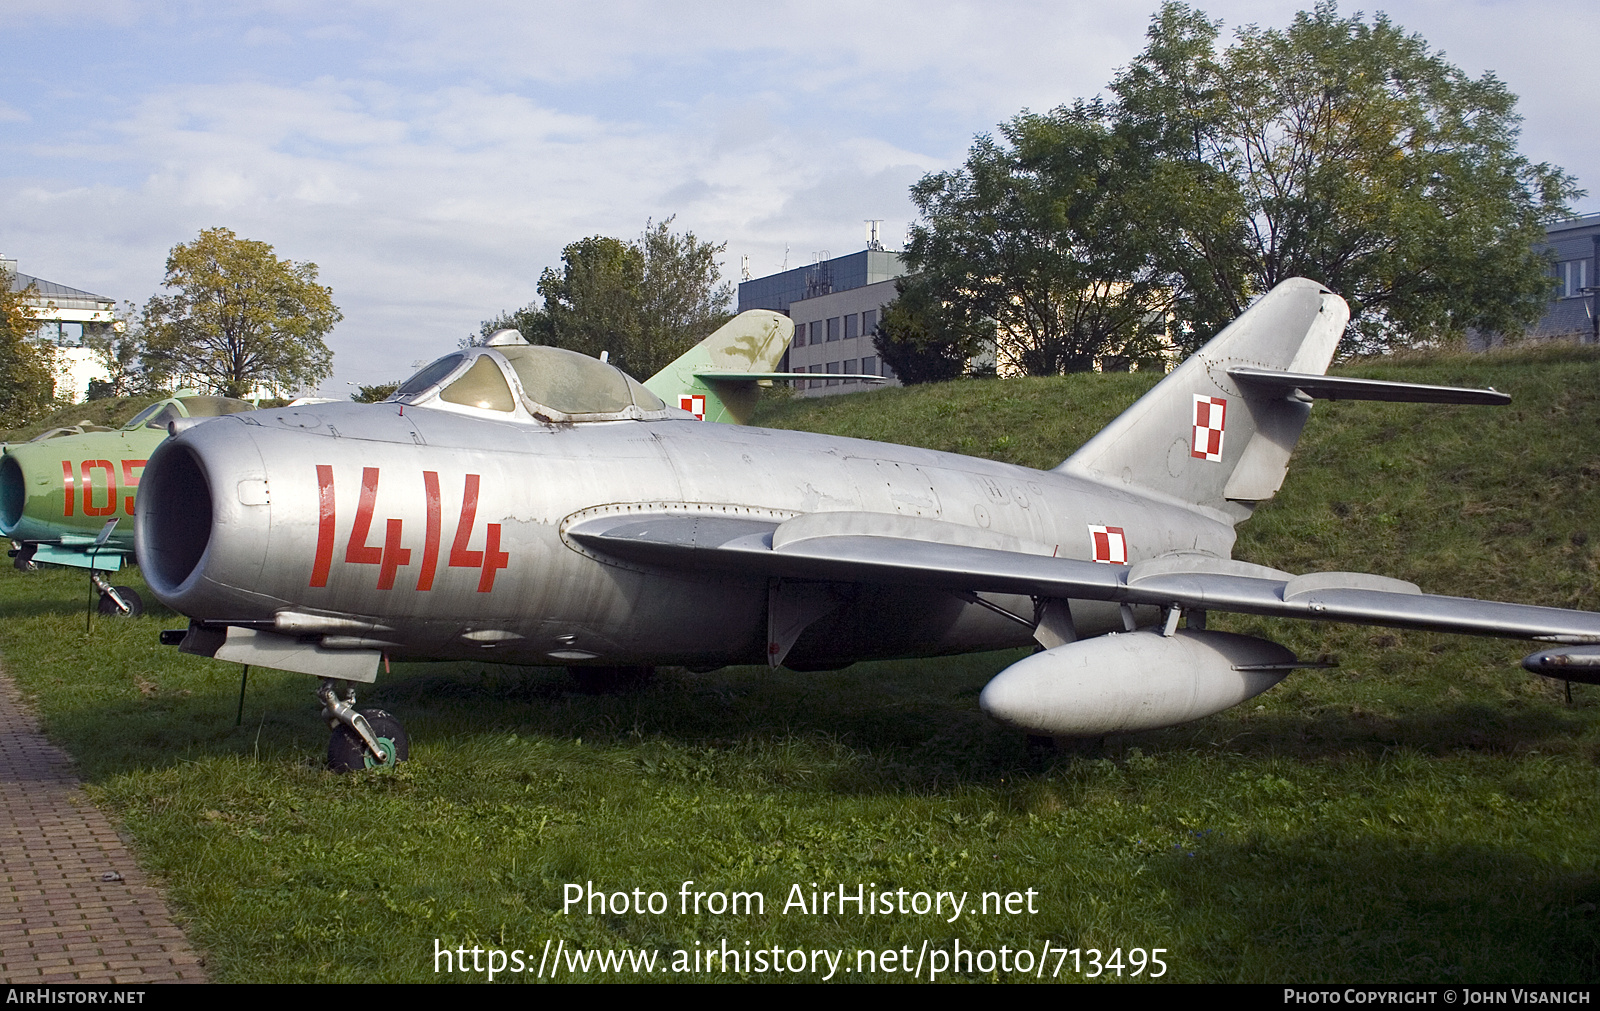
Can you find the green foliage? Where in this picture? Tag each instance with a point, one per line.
(106, 412)
(1035, 243)
(1346, 151)
(919, 340)
(644, 302)
(682, 300)
(27, 369)
(120, 349)
(1340, 148)
(374, 393)
(240, 318)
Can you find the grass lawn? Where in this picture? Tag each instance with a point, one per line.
(1425, 812)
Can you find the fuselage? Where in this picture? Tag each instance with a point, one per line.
(72, 484)
(439, 534)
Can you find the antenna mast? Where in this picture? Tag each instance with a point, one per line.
(872, 233)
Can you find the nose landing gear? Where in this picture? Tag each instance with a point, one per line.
(362, 738)
(22, 555)
(121, 600)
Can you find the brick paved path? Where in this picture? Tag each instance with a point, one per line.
(59, 921)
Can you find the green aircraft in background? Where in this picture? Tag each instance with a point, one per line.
(60, 492)
(719, 378)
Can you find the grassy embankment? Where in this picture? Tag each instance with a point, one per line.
(110, 412)
(1425, 812)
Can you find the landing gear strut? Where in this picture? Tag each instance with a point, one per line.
(116, 599)
(22, 555)
(362, 738)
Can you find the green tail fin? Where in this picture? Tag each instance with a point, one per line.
(751, 342)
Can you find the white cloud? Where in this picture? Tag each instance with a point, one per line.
(433, 158)
(427, 212)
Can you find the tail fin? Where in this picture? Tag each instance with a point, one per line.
(751, 342)
(1203, 437)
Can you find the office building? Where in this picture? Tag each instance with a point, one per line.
(1574, 302)
(65, 315)
(835, 304)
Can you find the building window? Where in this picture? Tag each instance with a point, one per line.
(869, 322)
(869, 365)
(799, 335)
(61, 333)
(816, 332)
(851, 322)
(833, 329)
(833, 369)
(850, 365)
(817, 384)
(1574, 275)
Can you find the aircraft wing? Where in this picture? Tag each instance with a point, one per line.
(869, 548)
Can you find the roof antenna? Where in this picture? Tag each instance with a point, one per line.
(872, 233)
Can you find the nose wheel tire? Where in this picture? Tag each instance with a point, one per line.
(108, 607)
(347, 752)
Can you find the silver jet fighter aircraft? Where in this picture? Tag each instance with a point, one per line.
(530, 505)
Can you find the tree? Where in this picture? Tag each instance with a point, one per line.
(593, 303)
(374, 393)
(1034, 239)
(120, 348)
(918, 339)
(27, 368)
(1345, 151)
(645, 302)
(241, 318)
(682, 300)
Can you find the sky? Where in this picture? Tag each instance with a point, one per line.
(433, 158)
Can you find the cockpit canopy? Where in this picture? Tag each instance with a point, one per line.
(523, 380)
(162, 411)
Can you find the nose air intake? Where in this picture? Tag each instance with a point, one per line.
(13, 493)
(174, 518)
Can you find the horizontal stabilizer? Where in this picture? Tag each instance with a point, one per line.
(763, 548)
(713, 376)
(1345, 388)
